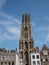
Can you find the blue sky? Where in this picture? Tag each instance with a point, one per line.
(11, 12)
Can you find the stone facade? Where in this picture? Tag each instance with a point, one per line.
(7, 57)
(26, 43)
(44, 55)
(10, 57)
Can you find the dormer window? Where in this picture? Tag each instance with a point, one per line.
(45, 52)
(44, 59)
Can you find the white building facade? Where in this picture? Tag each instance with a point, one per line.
(18, 60)
(9, 57)
(35, 59)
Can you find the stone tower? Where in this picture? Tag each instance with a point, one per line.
(26, 42)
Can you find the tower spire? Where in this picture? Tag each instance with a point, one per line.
(26, 18)
(26, 27)
(26, 42)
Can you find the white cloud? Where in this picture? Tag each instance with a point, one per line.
(9, 37)
(13, 30)
(42, 28)
(47, 37)
(43, 34)
(33, 24)
(8, 17)
(40, 42)
(9, 27)
(1, 3)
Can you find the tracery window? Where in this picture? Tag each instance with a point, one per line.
(26, 32)
(25, 18)
(45, 52)
(26, 45)
(26, 54)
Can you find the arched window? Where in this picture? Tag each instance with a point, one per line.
(26, 32)
(26, 45)
(26, 29)
(26, 55)
(25, 18)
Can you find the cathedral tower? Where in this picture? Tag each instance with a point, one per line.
(26, 42)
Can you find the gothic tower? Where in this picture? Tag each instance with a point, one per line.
(26, 42)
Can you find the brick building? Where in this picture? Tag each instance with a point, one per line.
(44, 55)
